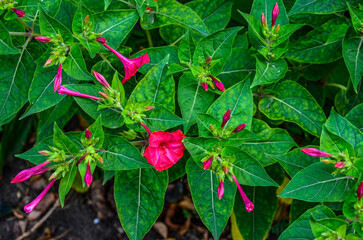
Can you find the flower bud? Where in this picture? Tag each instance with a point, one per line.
(226, 169)
(148, 108)
(19, 12)
(44, 152)
(43, 39)
(86, 19)
(315, 152)
(361, 32)
(207, 163)
(212, 127)
(239, 128)
(88, 134)
(219, 84)
(339, 165)
(100, 159)
(104, 95)
(226, 117)
(205, 86)
(208, 59)
(263, 20)
(326, 161)
(360, 191)
(220, 190)
(48, 62)
(277, 29)
(101, 40)
(275, 13)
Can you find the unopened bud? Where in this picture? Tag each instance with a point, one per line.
(360, 191)
(44, 152)
(326, 161)
(212, 127)
(361, 32)
(226, 169)
(226, 117)
(239, 128)
(207, 163)
(205, 86)
(263, 20)
(148, 108)
(275, 13)
(104, 95)
(86, 19)
(43, 39)
(19, 13)
(88, 134)
(339, 165)
(101, 40)
(48, 62)
(277, 29)
(149, 9)
(100, 159)
(208, 59)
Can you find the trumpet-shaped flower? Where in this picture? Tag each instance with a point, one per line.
(63, 90)
(248, 204)
(101, 79)
(30, 206)
(27, 173)
(58, 78)
(315, 152)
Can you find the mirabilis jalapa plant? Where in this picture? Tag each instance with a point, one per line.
(251, 110)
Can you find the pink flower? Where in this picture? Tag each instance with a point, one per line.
(339, 165)
(208, 59)
(58, 78)
(88, 134)
(226, 117)
(63, 90)
(165, 148)
(27, 173)
(19, 12)
(220, 190)
(239, 128)
(30, 206)
(275, 13)
(101, 79)
(315, 152)
(263, 20)
(130, 65)
(43, 39)
(360, 191)
(81, 159)
(88, 177)
(205, 86)
(248, 204)
(219, 84)
(207, 163)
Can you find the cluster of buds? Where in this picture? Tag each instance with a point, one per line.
(225, 133)
(273, 33)
(222, 166)
(204, 76)
(134, 112)
(110, 97)
(10, 5)
(87, 33)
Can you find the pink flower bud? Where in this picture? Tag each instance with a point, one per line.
(62, 90)
(263, 20)
(88, 134)
(43, 39)
(86, 19)
(30, 206)
(208, 59)
(315, 152)
(226, 117)
(48, 62)
(239, 128)
(248, 204)
(58, 78)
(220, 190)
(101, 40)
(44, 152)
(27, 173)
(148, 108)
(360, 191)
(275, 13)
(339, 165)
(103, 95)
(206, 164)
(219, 84)
(205, 86)
(226, 169)
(19, 12)
(101, 79)
(81, 159)
(88, 177)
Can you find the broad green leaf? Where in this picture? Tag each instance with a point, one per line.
(254, 31)
(50, 27)
(199, 147)
(355, 116)
(75, 66)
(66, 13)
(173, 12)
(139, 197)
(203, 186)
(285, 32)
(356, 16)
(120, 154)
(204, 121)
(6, 46)
(156, 86)
(298, 208)
(186, 48)
(62, 142)
(316, 183)
(294, 161)
(218, 46)
(238, 66)
(321, 45)
(293, 103)
(115, 25)
(142, 5)
(333, 144)
(192, 99)
(111, 117)
(16, 73)
(319, 6)
(353, 56)
(31, 7)
(237, 98)
(66, 182)
(269, 71)
(248, 170)
(97, 132)
(273, 141)
(326, 226)
(343, 128)
(300, 229)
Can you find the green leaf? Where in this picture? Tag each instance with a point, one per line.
(203, 186)
(329, 225)
(319, 6)
(120, 154)
(199, 147)
(173, 12)
(75, 66)
(285, 32)
(62, 142)
(111, 117)
(353, 56)
(237, 98)
(294, 105)
(334, 144)
(218, 46)
(186, 48)
(139, 197)
(273, 141)
(316, 183)
(355, 116)
(115, 25)
(50, 27)
(357, 17)
(204, 120)
(157, 87)
(66, 182)
(6, 46)
(268, 72)
(142, 5)
(192, 99)
(295, 161)
(97, 132)
(300, 229)
(254, 31)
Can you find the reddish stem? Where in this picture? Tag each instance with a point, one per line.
(146, 128)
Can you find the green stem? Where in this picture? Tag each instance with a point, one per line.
(336, 85)
(127, 3)
(25, 34)
(260, 90)
(24, 24)
(149, 39)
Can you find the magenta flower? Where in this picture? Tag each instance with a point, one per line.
(219, 84)
(88, 134)
(248, 204)
(30, 206)
(19, 12)
(207, 163)
(226, 117)
(81, 159)
(239, 128)
(62, 90)
(205, 86)
(58, 78)
(315, 152)
(220, 190)
(88, 177)
(43, 39)
(275, 13)
(339, 165)
(27, 173)
(130, 65)
(101, 79)
(263, 20)
(360, 191)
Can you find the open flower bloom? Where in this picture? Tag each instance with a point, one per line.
(101, 79)
(165, 148)
(27, 173)
(88, 177)
(315, 152)
(63, 90)
(131, 65)
(30, 206)
(248, 204)
(220, 190)
(58, 78)
(19, 12)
